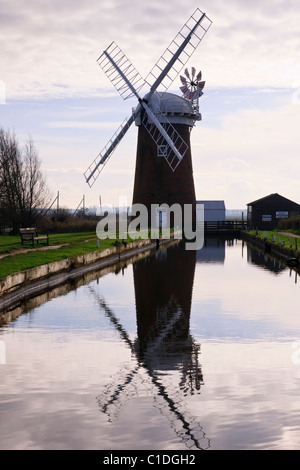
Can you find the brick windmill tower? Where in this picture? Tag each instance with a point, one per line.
(160, 176)
(163, 173)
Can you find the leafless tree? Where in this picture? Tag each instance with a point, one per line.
(35, 191)
(23, 189)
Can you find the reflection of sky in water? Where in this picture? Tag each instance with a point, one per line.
(78, 310)
(241, 300)
(76, 376)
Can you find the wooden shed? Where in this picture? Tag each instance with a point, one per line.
(265, 213)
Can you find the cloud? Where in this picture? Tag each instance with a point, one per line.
(82, 125)
(246, 145)
(253, 151)
(50, 49)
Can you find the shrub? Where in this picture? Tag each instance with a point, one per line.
(67, 224)
(290, 223)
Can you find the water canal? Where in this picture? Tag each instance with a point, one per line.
(178, 350)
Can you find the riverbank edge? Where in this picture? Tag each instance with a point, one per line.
(271, 247)
(25, 284)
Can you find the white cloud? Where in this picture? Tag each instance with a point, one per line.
(253, 153)
(51, 49)
(82, 125)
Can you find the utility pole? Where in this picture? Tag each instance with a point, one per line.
(83, 205)
(56, 199)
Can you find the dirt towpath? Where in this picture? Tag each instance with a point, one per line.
(25, 250)
(288, 234)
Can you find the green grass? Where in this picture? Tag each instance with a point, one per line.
(74, 244)
(280, 240)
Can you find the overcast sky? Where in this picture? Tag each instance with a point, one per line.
(53, 90)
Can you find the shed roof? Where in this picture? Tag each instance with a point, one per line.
(213, 204)
(272, 196)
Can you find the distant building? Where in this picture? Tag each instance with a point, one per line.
(214, 211)
(265, 213)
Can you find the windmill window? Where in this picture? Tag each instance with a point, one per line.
(162, 150)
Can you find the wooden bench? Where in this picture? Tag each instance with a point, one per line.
(30, 234)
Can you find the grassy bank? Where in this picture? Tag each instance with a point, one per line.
(67, 245)
(61, 246)
(13, 257)
(280, 238)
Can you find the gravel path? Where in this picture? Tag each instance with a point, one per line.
(288, 234)
(25, 250)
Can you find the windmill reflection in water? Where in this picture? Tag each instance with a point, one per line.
(164, 355)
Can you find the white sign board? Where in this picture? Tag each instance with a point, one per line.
(282, 215)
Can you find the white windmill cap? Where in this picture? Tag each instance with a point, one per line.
(177, 109)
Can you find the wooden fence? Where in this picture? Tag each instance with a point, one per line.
(225, 226)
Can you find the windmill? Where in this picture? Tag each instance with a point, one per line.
(164, 120)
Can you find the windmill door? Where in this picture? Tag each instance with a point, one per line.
(161, 218)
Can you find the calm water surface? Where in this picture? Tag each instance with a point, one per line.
(179, 350)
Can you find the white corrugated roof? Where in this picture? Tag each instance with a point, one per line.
(212, 205)
(170, 103)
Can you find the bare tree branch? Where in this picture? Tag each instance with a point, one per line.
(23, 189)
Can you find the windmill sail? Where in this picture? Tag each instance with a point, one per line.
(93, 171)
(167, 138)
(179, 51)
(128, 82)
(120, 71)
